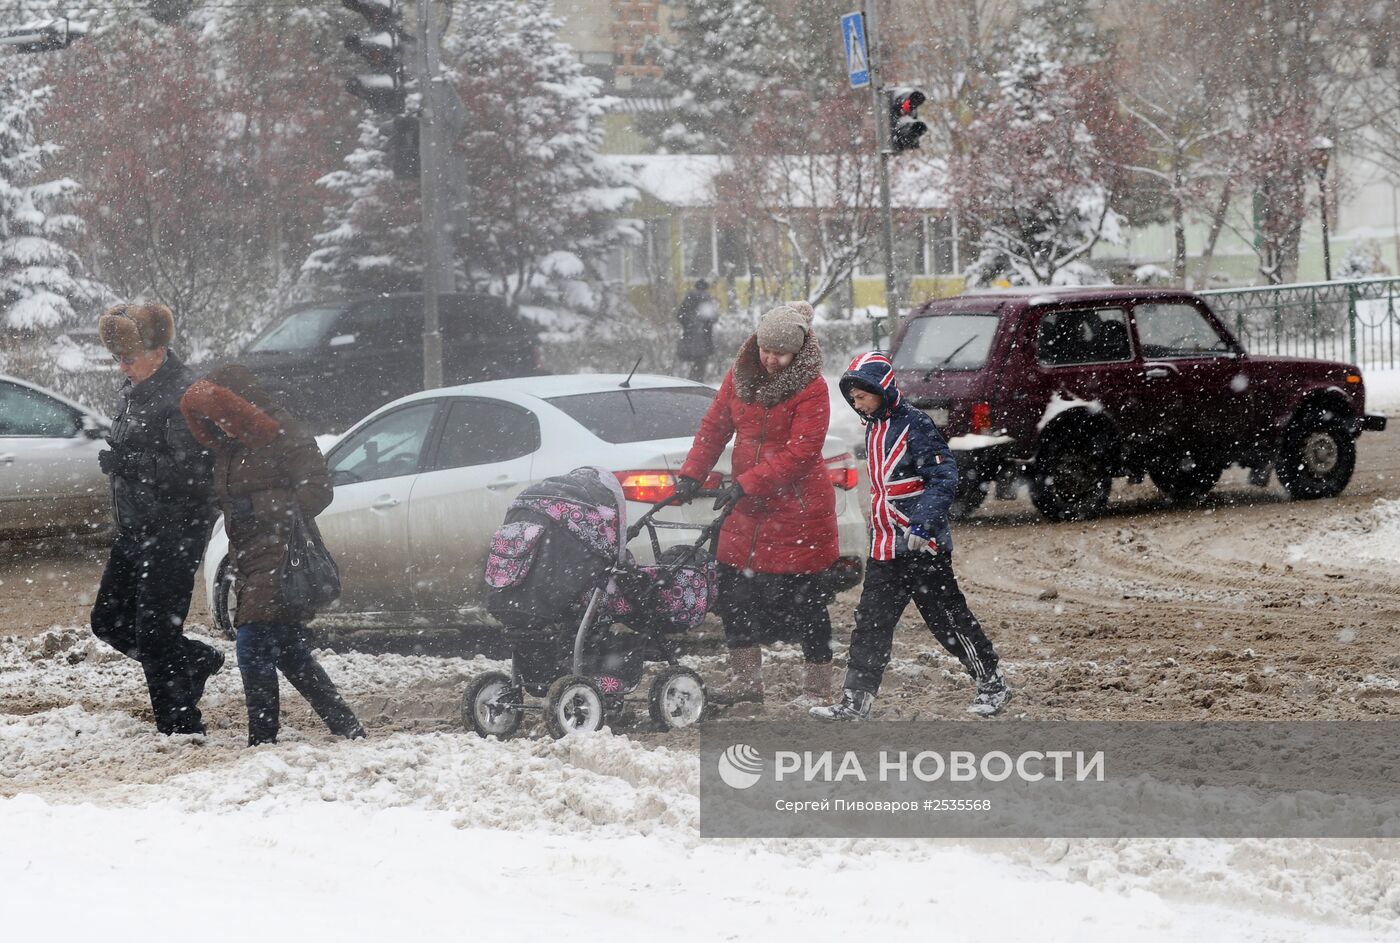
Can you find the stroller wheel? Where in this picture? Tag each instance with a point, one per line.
(677, 698)
(492, 706)
(574, 703)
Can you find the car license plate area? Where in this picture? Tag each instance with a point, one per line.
(939, 415)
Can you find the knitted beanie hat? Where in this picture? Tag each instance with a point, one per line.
(785, 328)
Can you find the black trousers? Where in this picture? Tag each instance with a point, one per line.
(140, 611)
(761, 608)
(927, 579)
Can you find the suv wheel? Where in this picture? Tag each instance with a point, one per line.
(1317, 455)
(1190, 479)
(1071, 480)
(967, 498)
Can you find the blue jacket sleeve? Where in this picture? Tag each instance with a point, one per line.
(934, 463)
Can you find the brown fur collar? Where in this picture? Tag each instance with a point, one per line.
(214, 411)
(752, 384)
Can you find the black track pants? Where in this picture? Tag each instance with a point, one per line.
(927, 579)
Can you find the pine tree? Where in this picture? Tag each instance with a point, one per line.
(1032, 183)
(542, 207)
(726, 66)
(370, 242)
(42, 283)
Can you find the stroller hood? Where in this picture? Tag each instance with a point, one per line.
(585, 487)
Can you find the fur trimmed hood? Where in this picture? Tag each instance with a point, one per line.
(229, 404)
(131, 329)
(753, 384)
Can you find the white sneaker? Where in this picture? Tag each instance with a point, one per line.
(854, 705)
(992, 696)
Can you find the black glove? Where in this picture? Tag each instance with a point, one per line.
(124, 463)
(685, 489)
(729, 497)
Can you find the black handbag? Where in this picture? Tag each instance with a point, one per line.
(310, 578)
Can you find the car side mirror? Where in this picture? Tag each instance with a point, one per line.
(91, 428)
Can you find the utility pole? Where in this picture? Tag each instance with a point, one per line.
(436, 277)
(893, 303)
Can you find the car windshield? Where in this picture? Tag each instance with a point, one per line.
(639, 415)
(947, 342)
(300, 330)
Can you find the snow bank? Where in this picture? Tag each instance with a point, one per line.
(1382, 391)
(424, 834)
(1367, 539)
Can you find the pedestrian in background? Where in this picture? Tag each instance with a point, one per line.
(267, 470)
(161, 503)
(782, 533)
(697, 314)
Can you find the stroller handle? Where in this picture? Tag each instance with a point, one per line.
(677, 501)
(708, 532)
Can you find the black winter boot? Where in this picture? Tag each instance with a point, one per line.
(312, 682)
(202, 663)
(158, 686)
(170, 690)
(264, 705)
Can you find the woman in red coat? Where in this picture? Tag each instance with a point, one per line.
(782, 533)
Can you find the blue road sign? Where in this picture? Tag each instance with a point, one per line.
(857, 56)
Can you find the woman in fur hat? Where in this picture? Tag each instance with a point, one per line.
(266, 466)
(782, 533)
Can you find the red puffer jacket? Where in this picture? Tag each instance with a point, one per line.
(786, 521)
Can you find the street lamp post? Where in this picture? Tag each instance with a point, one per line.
(1322, 153)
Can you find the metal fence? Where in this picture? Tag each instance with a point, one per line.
(1354, 321)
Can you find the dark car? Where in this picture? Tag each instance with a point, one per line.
(1067, 390)
(333, 362)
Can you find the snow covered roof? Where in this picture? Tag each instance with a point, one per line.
(687, 180)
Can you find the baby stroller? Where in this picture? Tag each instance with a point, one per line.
(582, 617)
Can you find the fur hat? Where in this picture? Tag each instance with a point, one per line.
(785, 327)
(229, 402)
(132, 329)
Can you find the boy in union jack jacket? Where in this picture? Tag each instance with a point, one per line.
(912, 479)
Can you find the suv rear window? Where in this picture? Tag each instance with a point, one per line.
(947, 342)
(639, 415)
(300, 330)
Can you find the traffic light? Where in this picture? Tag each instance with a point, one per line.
(384, 89)
(905, 126)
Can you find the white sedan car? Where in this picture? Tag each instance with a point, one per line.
(49, 477)
(422, 483)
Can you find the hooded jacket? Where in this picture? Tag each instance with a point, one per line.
(786, 521)
(264, 463)
(912, 471)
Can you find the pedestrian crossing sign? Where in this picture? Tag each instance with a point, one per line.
(857, 56)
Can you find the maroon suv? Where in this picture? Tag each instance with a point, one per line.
(1068, 389)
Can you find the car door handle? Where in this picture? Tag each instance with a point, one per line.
(1158, 373)
(501, 484)
(8, 458)
(384, 503)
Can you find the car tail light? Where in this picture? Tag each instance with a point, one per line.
(537, 360)
(843, 472)
(651, 487)
(981, 418)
